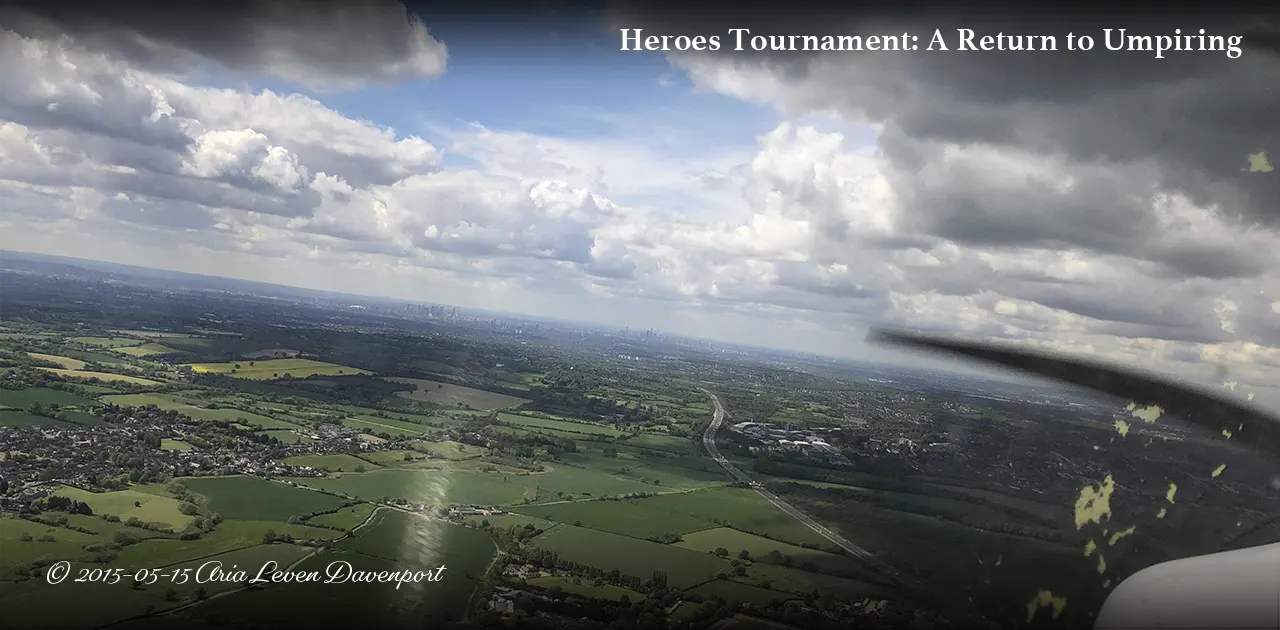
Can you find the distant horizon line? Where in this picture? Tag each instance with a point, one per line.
(507, 314)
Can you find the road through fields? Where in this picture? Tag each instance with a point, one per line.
(709, 441)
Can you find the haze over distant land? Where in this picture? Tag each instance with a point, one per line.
(869, 362)
(1101, 203)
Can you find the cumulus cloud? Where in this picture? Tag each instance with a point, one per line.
(320, 45)
(1103, 196)
(1117, 209)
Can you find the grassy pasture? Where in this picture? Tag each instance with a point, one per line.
(631, 556)
(448, 449)
(146, 350)
(148, 508)
(97, 390)
(348, 605)
(174, 445)
(286, 436)
(346, 518)
(18, 419)
(666, 443)
(153, 334)
(559, 425)
(66, 363)
(426, 542)
(229, 536)
(83, 418)
(194, 344)
(68, 544)
(107, 342)
(102, 376)
(42, 605)
(739, 592)
(739, 508)
(509, 519)
(23, 398)
(276, 368)
(269, 353)
(333, 461)
(425, 486)
(173, 402)
(251, 498)
(587, 589)
(792, 580)
(708, 540)
(392, 458)
(394, 428)
(529, 431)
(449, 395)
(474, 488)
(589, 482)
(620, 517)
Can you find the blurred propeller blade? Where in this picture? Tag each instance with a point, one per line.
(1210, 410)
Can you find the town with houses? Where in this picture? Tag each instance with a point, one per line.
(127, 449)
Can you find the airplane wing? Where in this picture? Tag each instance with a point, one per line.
(1234, 589)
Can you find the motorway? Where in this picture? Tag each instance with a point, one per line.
(709, 440)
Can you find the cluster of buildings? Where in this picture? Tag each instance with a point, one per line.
(103, 456)
(93, 457)
(809, 442)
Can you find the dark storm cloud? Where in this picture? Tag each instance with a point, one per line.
(321, 44)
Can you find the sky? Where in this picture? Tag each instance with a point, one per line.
(1104, 203)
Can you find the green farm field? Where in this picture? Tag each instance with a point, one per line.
(230, 535)
(559, 425)
(106, 377)
(448, 449)
(66, 363)
(276, 368)
(425, 486)
(394, 428)
(336, 461)
(107, 342)
(631, 556)
(18, 419)
(510, 519)
(794, 580)
(68, 544)
(23, 398)
(347, 605)
(585, 588)
(739, 508)
(393, 458)
(145, 350)
(286, 436)
(620, 517)
(251, 498)
(346, 518)
(449, 395)
(148, 508)
(36, 604)
(738, 592)
(414, 538)
(476, 488)
(708, 540)
(390, 542)
(172, 402)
